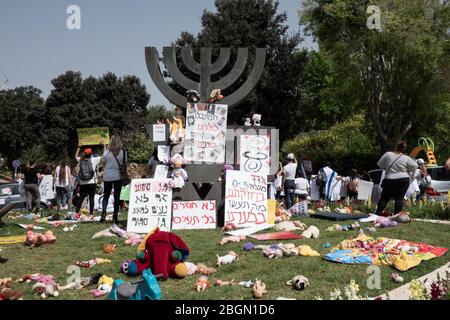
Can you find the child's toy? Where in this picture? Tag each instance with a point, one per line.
(401, 217)
(6, 292)
(90, 263)
(247, 122)
(327, 245)
(221, 283)
(259, 288)
(298, 282)
(383, 222)
(202, 284)
(345, 210)
(105, 284)
(338, 227)
(36, 239)
(146, 288)
(246, 284)
(231, 239)
(191, 268)
(256, 118)
(290, 226)
(273, 252)
(205, 270)
(82, 283)
(71, 228)
(227, 259)
(133, 240)
(306, 251)
(229, 227)
(45, 286)
(248, 246)
(179, 175)
(215, 96)
(164, 252)
(192, 96)
(311, 232)
(176, 130)
(396, 278)
(109, 248)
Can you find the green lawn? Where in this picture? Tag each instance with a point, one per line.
(323, 275)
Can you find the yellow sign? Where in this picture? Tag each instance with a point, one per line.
(93, 136)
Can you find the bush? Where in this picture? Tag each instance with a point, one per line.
(348, 144)
(139, 147)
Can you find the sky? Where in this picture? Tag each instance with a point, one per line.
(37, 46)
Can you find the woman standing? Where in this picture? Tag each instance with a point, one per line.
(87, 177)
(31, 184)
(62, 183)
(398, 168)
(289, 171)
(115, 157)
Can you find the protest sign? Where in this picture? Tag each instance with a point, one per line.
(255, 154)
(161, 172)
(46, 188)
(93, 136)
(245, 198)
(150, 205)
(164, 153)
(194, 215)
(206, 126)
(159, 132)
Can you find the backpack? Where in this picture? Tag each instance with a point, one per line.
(86, 170)
(322, 179)
(352, 186)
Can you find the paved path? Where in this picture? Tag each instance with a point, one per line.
(433, 221)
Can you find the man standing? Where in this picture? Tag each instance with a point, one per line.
(31, 183)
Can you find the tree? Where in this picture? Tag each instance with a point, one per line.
(400, 69)
(21, 120)
(256, 24)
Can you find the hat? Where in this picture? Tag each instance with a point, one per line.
(420, 161)
(88, 151)
(290, 156)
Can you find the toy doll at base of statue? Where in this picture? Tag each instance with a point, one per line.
(179, 175)
(177, 125)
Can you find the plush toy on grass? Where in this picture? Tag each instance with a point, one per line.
(34, 239)
(396, 278)
(383, 222)
(227, 259)
(259, 289)
(105, 284)
(234, 239)
(202, 284)
(109, 248)
(298, 282)
(45, 286)
(401, 217)
(311, 232)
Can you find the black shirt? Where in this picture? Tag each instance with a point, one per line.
(31, 176)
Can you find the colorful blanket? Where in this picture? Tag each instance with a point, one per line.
(401, 254)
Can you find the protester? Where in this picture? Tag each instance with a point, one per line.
(88, 177)
(62, 183)
(398, 168)
(114, 157)
(31, 184)
(302, 187)
(153, 162)
(325, 180)
(277, 183)
(289, 171)
(352, 183)
(422, 177)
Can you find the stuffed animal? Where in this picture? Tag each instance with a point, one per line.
(179, 175)
(290, 226)
(306, 251)
(109, 248)
(124, 266)
(247, 122)
(256, 120)
(259, 288)
(246, 284)
(45, 286)
(298, 282)
(6, 292)
(221, 283)
(231, 239)
(192, 96)
(202, 284)
(227, 259)
(164, 253)
(215, 96)
(396, 278)
(383, 222)
(36, 239)
(311, 232)
(105, 284)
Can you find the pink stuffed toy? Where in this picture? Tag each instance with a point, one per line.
(383, 222)
(36, 239)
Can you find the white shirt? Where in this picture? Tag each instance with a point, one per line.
(66, 180)
(289, 171)
(95, 162)
(301, 186)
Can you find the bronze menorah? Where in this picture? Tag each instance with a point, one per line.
(205, 69)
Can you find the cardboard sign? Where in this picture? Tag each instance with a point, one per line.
(150, 205)
(46, 187)
(255, 154)
(206, 126)
(246, 198)
(161, 172)
(93, 136)
(194, 215)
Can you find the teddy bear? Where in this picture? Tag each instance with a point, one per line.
(36, 239)
(179, 175)
(298, 282)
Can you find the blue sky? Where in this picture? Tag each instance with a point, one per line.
(37, 46)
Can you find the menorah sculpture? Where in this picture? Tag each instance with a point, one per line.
(205, 69)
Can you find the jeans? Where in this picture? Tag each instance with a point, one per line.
(61, 193)
(107, 188)
(32, 190)
(289, 187)
(393, 189)
(87, 190)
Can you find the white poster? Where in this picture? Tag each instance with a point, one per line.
(150, 205)
(206, 126)
(159, 132)
(161, 171)
(245, 198)
(364, 190)
(255, 154)
(46, 188)
(164, 153)
(194, 215)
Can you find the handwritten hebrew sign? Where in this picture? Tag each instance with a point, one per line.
(150, 205)
(46, 188)
(194, 215)
(255, 154)
(245, 198)
(93, 136)
(206, 126)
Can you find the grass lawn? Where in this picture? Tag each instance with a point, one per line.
(324, 276)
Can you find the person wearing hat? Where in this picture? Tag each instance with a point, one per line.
(289, 171)
(422, 177)
(87, 176)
